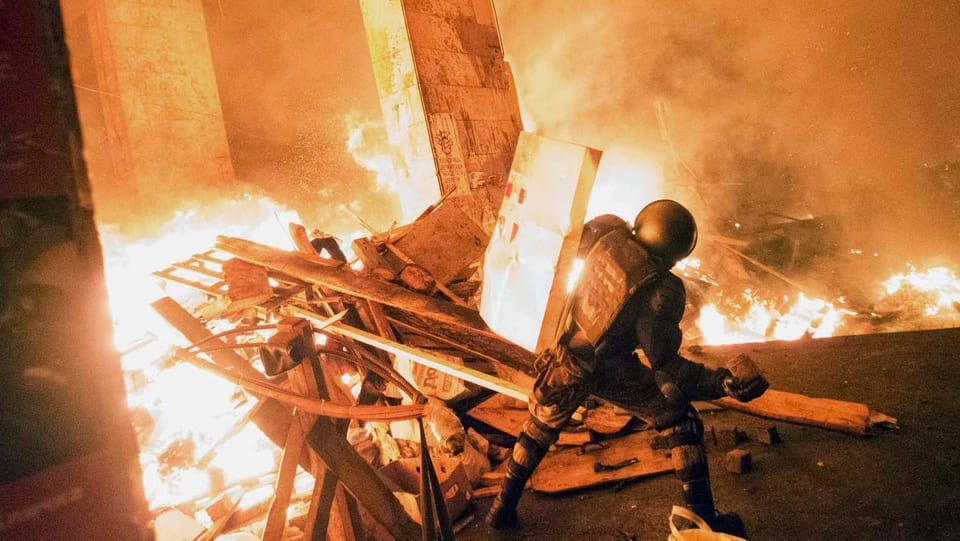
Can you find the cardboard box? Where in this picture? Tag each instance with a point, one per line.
(404, 475)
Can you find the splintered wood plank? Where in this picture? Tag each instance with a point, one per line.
(345, 280)
(283, 489)
(502, 412)
(479, 342)
(563, 469)
(427, 358)
(851, 417)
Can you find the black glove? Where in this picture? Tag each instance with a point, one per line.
(745, 390)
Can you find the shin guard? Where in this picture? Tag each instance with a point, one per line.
(529, 450)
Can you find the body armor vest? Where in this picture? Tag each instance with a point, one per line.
(615, 267)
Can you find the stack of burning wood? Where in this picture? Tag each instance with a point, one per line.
(355, 372)
(362, 377)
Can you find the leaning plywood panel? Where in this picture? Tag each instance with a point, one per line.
(527, 262)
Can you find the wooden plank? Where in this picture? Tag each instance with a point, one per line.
(488, 381)
(361, 481)
(445, 242)
(479, 342)
(850, 417)
(346, 280)
(565, 469)
(502, 412)
(283, 488)
(345, 522)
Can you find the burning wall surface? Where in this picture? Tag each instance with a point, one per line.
(149, 107)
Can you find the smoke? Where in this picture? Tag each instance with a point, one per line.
(295, 81)
(823, 108)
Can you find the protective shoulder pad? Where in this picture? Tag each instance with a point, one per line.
(596, 228)
(613, 270)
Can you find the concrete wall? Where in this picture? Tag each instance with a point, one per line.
(448, 98)
(148, 102)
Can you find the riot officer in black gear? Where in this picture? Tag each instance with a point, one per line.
(627, 299)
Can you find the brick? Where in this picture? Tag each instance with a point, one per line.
(727, 438)
(769, 436)
(737, 461)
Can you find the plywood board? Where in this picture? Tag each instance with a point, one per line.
(502, 412)
(533, 246)
(566, 469)
(826, 413)
(445, 242)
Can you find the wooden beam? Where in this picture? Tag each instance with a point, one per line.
(362, 481)
(425, 358)
(480, 343)
(283, 488)
(348, 281)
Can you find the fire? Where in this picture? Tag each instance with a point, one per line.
(909, 300)
(191, 429)
(763, 319)
(128, 263)
(937, 288)
(195, 441)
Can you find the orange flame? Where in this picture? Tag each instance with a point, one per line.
(938, 288)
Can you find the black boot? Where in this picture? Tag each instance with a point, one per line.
(727, 523)
(503, 512)
(527, 454)
(698, 497)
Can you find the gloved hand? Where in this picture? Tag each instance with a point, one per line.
(745, 390)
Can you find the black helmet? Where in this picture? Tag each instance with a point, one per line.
(667, 230)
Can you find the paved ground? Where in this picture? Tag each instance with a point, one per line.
(817, 485)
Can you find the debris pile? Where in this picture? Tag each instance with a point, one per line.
(377, 381)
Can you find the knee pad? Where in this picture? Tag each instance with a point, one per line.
(685, 441)
(541, 433)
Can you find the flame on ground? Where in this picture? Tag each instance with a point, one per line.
(937, 288)
(759, 319)
(912, 299)
(194, 441)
